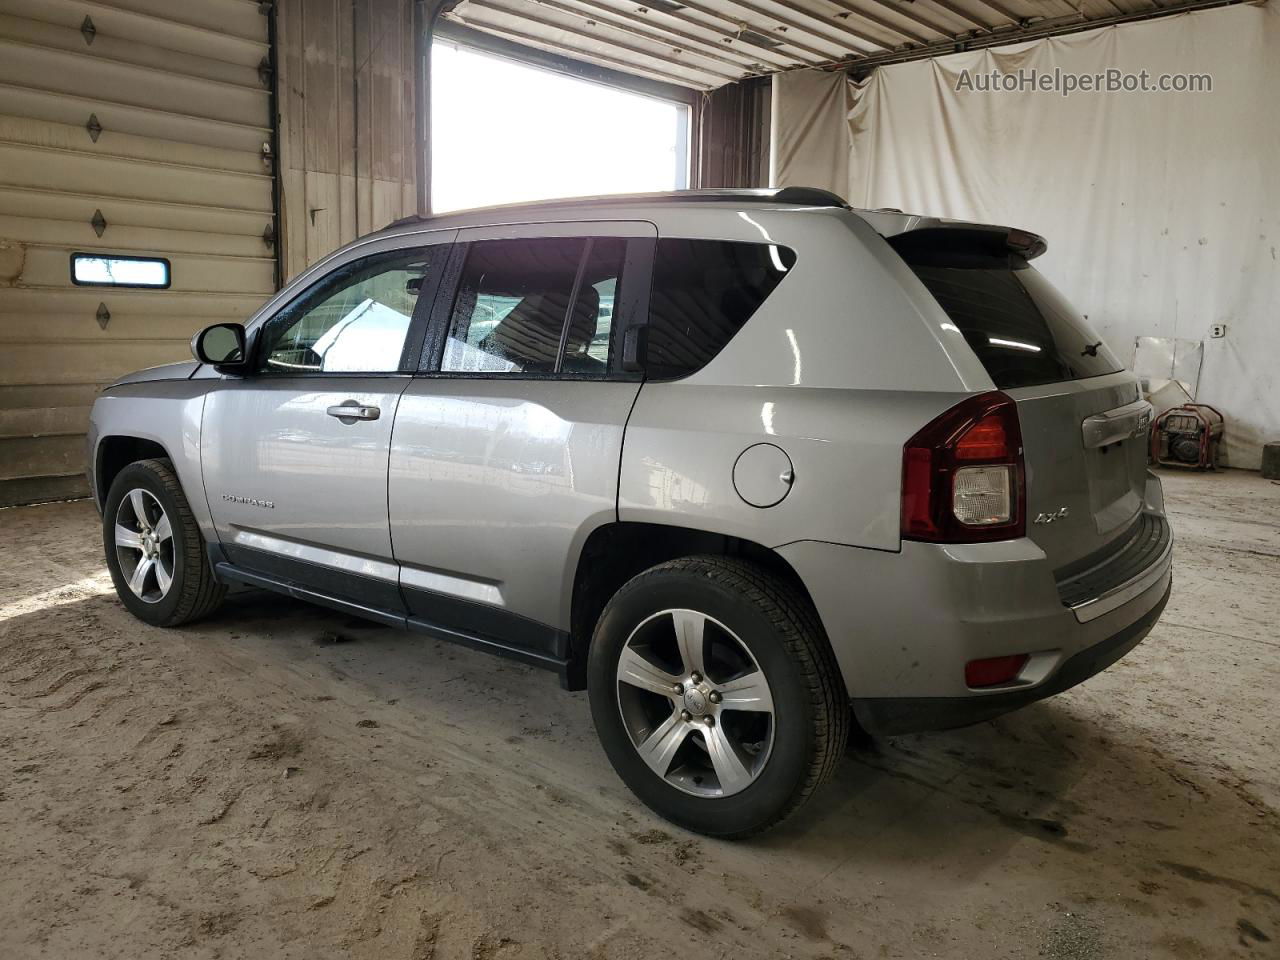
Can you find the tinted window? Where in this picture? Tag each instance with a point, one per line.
(588, 340)
(355, 321)
(512, 313)
(703, 292)
(1023, 331)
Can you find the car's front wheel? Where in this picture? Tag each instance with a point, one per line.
(154, 549)
(716, 695)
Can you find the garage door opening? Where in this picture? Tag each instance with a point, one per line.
(505, 132)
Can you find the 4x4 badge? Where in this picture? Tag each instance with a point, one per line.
(1059, 514)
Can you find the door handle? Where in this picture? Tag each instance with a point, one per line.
(349, 411)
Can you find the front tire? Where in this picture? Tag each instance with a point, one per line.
(716, 695)
(154, 549)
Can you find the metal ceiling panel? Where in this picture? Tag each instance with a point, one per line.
(706, 43)
(596, 41)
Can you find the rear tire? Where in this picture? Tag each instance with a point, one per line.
(154, 549)
(730, 734)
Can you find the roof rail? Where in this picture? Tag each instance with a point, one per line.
(809, 197)
(800, 196)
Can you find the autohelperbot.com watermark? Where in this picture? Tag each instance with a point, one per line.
(1065, 83)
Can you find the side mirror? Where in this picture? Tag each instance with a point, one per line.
(221, 346)
(635, 349)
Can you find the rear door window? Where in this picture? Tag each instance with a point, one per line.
(535, 307)
(703, 292)
(1023, 331)
(586, 342)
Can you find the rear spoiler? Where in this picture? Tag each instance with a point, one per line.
(916, 246)
(908, 232)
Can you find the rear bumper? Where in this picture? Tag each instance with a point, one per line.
(887, 716)
(1099, 586)
(904, 625)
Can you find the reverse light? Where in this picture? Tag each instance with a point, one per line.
(983, 496)
(963, 476)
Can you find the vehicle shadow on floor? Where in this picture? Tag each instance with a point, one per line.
(1088, 790)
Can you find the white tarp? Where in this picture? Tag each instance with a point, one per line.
(1162, 210)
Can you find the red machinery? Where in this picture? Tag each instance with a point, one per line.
(1187, 436)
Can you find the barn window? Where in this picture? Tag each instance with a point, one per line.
(111, 270)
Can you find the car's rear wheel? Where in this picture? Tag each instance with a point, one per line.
(154, 549)
(716, 695)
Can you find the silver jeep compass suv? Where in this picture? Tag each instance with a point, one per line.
(747, 466)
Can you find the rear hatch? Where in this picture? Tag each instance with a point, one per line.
(1084, 423)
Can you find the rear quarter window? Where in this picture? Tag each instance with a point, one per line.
(1023, 331)
(703, 292)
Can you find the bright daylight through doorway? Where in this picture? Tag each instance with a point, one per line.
(504, 132)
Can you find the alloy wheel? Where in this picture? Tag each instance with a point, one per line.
(144, 545)
(695, 703)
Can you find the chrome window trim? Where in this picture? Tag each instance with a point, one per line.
(320, 556)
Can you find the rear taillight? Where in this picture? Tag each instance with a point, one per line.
(962, 475)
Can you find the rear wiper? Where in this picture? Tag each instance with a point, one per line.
(1091, 350)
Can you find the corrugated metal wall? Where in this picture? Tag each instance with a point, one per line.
(346, 122)
(157, 116)
(181, 168)
(177, 170)
(733, 141)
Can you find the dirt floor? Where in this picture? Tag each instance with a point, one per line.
(282, 781)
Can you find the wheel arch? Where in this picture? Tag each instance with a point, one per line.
(615, 552)
(117, 451)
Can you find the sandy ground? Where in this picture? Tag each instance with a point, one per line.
(284, 782)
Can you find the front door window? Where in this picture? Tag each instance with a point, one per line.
(356, 321)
